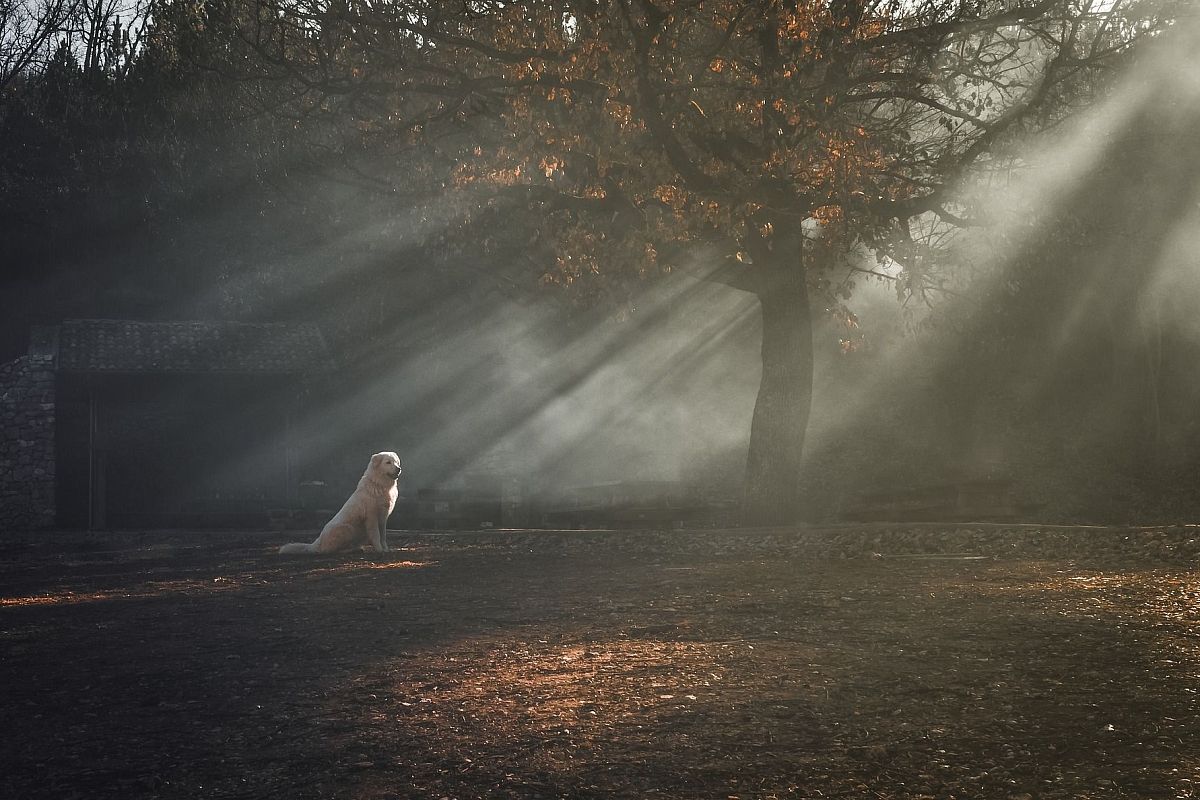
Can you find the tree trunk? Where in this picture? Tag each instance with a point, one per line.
(784, 399)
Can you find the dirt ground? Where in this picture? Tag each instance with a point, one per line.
(204, 665)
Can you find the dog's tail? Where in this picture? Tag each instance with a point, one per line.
(297, 548)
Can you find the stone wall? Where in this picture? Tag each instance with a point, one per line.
(27, 443)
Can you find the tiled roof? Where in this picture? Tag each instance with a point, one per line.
(112, 345)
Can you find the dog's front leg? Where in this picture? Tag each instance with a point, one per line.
(383, 543)
(376, 537)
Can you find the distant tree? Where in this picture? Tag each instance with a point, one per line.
(30, 32)
(63, 96)
(114, 141)
(772, 142)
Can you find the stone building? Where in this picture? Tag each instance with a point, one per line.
(27, 485)
(119, 423)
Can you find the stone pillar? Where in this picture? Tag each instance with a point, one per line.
(27, 443)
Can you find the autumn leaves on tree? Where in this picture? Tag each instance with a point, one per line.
(764, 145)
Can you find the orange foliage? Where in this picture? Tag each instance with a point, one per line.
(681, 134)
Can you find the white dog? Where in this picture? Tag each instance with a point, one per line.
(363, 519)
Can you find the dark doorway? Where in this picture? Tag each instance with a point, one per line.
(173, 451)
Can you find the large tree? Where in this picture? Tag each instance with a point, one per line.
(764, 143)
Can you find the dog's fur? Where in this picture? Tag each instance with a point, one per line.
(363, 519)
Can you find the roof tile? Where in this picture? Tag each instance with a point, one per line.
(108, 345)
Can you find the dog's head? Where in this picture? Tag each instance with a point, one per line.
(386, 464)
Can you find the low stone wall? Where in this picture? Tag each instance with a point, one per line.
(1167, 544)
(1170, 547)
(27, 443)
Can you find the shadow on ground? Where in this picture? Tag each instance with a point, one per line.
(174, 666)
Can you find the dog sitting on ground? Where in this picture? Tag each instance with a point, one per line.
(363, 519)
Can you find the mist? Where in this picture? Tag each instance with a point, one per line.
(1054, 350)
(1051, 343)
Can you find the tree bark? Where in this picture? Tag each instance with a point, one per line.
(784, 401)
